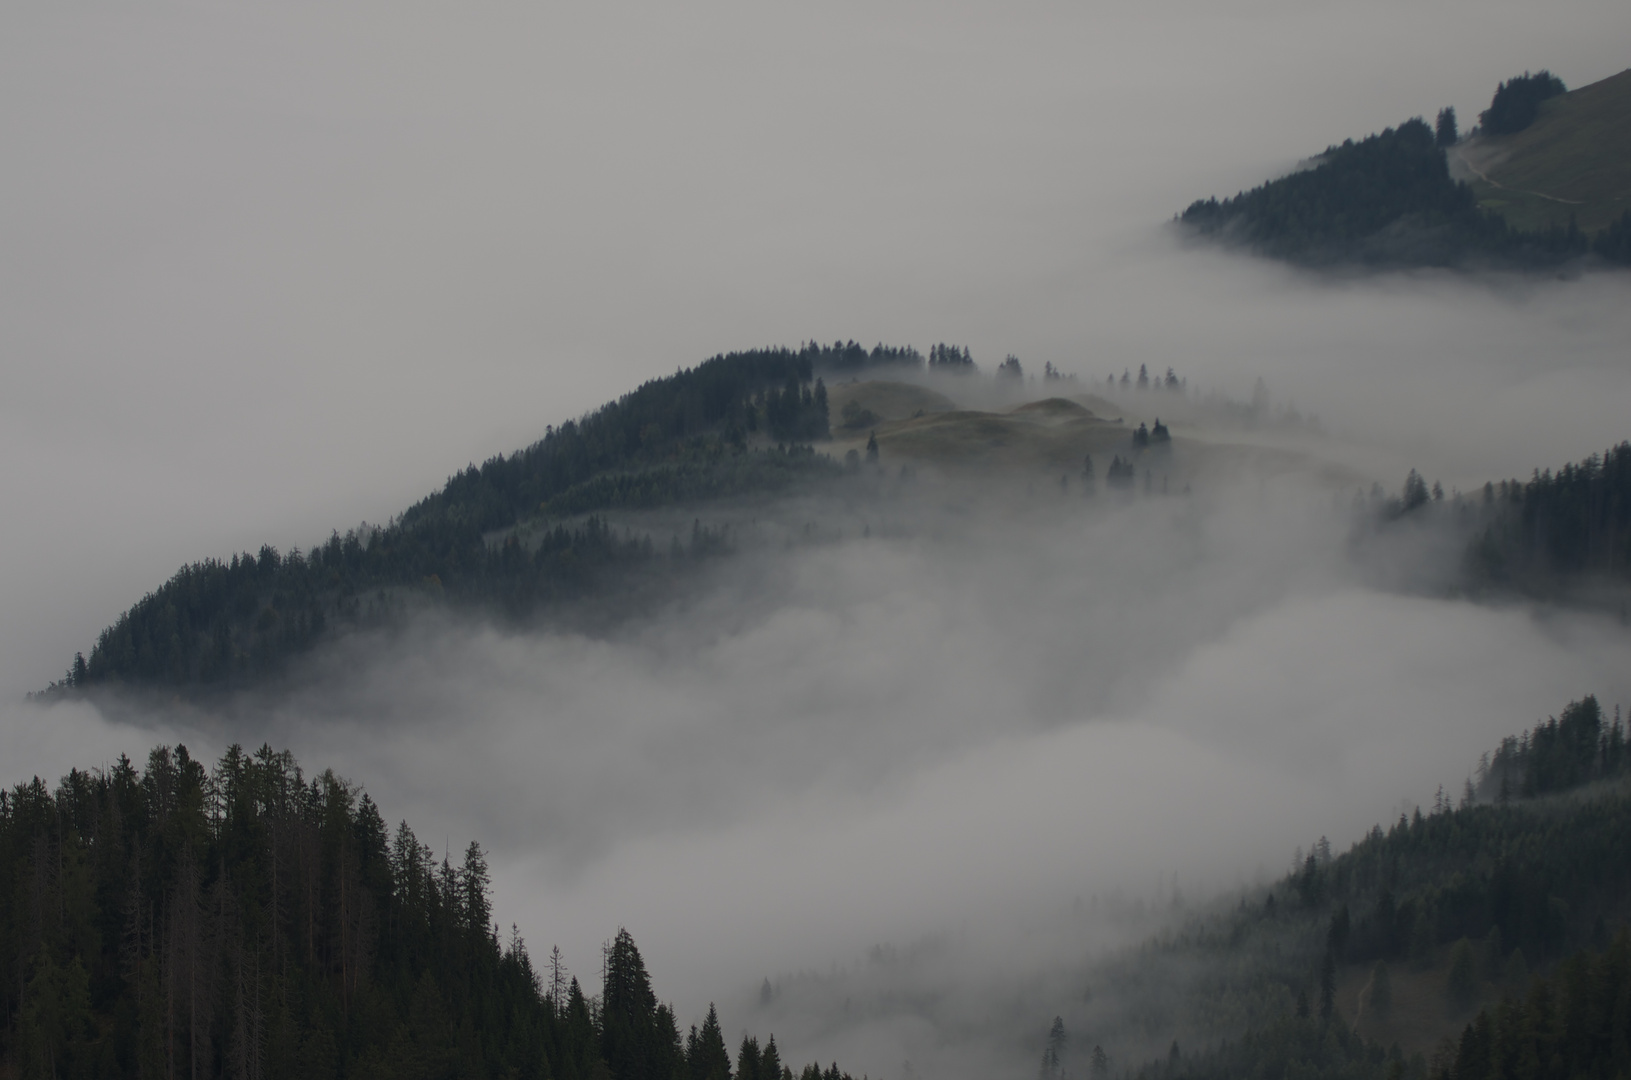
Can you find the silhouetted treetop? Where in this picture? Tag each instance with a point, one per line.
(1517, 102)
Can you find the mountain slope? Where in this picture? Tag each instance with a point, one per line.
(731, 424)
(1546, 194)
(1574, 160)
(1401, 940)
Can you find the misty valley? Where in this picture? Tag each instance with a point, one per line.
(847, 576)
(460, 622)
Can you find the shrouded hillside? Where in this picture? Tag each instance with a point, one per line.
(509, 536)
(1555, 529)
(247, 921)
(1574, 1023)
(732, 424)
(530, 533)
(1552, 186)
(1386, 198)
(1360, 964)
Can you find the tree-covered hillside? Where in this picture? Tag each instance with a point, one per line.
(514, 536)
(1412, 929)
(1370, 964)
(738, 423)
(1388, 199)
(248, 921)
(1391, 200)
(1379, 199)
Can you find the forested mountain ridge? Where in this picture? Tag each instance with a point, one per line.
(1388, 197)
(1392, 200)
(1409, 932)
(738, 423)
(246, 921)
(528, 533)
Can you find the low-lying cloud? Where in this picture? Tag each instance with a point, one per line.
(939, 742)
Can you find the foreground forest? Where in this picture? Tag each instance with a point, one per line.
(246, 921)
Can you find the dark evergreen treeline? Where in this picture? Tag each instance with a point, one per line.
(1291, 1047)
(1574, 522)
(1512, 880)
(224, 623)
(1564, 752)
(701, 433)
(1575, 1024)
(1563, 534)
(1385, 198)
(955, 359)
(850, 358)
(1538, 876)
(1613, 243)
(1388, 199)
(247, 921)
(1517, 102)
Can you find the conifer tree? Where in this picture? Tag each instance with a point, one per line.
(710, 1060)
(1444, 132)
(747, 1060)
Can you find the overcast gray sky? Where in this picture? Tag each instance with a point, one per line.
(269, 270)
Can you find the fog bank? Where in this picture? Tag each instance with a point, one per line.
(940, 742)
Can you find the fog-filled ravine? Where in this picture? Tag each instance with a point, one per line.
(898, 771)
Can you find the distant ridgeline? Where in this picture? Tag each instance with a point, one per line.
(1429, 931)
(1392, 200)
(738, 423)
(246, 921)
